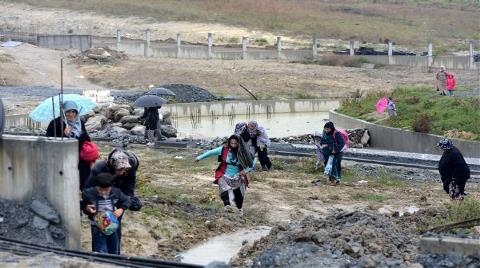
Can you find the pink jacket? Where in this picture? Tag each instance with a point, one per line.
(451, 82)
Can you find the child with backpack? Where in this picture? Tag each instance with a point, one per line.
(451, 83)
(104, 206)
(335, 142)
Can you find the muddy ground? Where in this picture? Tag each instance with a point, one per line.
(182, 207)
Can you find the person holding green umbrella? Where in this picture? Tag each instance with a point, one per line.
(71, 126)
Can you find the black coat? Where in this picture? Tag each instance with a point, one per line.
(453, 165)
(54, 130)
(125, 183)
(151, 117)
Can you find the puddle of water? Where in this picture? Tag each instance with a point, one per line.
(278, 125)
(223, 247)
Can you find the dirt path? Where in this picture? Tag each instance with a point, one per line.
(41, 67)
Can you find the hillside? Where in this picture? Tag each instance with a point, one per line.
(406, 22)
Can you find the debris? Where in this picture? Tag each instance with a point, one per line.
(100, 55)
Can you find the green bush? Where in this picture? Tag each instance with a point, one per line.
(422, 123)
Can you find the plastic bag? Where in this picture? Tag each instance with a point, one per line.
(329, 166)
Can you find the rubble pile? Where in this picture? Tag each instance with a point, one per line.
(183, 93)
(99, 55)
(122, 124)
(36, 223)
(359, 138)
(353, 239)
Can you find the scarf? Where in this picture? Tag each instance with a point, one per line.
(253, 132)
(76, 126)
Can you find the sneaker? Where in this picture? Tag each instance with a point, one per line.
(240, 212)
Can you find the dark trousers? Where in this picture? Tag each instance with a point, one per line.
(238, 198)
(263, 157)
(84, 171)
(105, 243)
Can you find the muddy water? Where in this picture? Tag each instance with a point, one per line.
(278, 125)
(222, 247)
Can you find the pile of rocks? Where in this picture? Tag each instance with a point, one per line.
(99, 55)
(122, 124)
(36, 223)
(183, 93)
(359, 138)
(354, 239)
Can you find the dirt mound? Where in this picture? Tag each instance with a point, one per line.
(358, 239)
(99, 55)
(184, 93)
(36, 223)
(190, 93)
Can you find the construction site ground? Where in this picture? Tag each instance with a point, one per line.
(182, 207)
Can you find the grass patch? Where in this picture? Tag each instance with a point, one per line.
(368, 197)
(339, 60)
(416, 104)
(456, 212)
(405, 22)
(261, 41)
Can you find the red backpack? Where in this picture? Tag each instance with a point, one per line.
(344, 136)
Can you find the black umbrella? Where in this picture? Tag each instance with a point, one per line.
(148, 101)
(161, 91)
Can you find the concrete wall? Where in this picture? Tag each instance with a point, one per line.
(190, 51)
(229, 108)
(47, 167)
(80, 42)
(403, 140)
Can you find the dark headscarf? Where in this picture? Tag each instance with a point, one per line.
(241, 152)
(330, 126)
(445, 144)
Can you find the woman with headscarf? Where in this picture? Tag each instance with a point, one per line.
(70, 126)
(332, 145)
(260, 142)
(453, 169)
(241, 130)
(231, 175)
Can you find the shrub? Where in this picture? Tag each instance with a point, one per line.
(422, 123)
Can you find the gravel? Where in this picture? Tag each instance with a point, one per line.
(184, 93)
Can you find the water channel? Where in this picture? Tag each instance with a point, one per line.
(281, 118)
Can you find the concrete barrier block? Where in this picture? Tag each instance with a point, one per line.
(444, 245)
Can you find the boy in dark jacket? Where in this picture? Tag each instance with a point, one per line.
(453, 169)
(104, 197)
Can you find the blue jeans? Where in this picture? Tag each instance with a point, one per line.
(451, 92)
(105, 243)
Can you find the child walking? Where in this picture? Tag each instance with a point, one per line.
(104, 197)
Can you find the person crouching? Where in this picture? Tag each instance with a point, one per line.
(453, 169)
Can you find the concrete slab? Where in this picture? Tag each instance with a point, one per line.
(444, 245)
